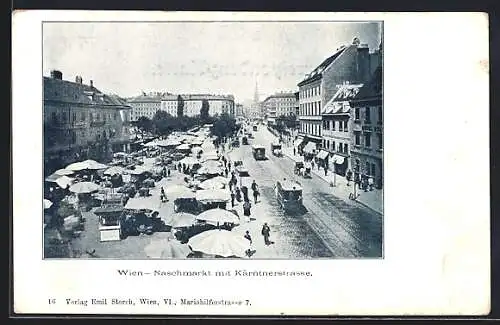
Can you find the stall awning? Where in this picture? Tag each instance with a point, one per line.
(310, 147)
(338, 159)
(322, 154)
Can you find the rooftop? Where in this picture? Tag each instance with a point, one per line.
(74, 92)
(345, 93)
(316, 73)
(373, 87)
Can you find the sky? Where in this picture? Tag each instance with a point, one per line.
(209, 57)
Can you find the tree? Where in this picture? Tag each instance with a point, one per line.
(180, 106)
(163, 122)
(205, 106)
(224, 125)
(144, 124)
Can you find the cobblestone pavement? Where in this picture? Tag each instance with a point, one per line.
(327, 227)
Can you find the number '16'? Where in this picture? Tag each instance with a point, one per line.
(52, 301)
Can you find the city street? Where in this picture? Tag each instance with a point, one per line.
(329, 226)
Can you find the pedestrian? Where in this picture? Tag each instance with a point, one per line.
(265, 232)
(226, 172)
(294, 151)
(229, 165)
(255, 190)
(370, 182)
(326, 170)
(168, 172)
(312, 165)
(348, 176)
(244, 190)
(163, 196)
(233, 196)
(246, 209)
(249, 250)
(238, 194)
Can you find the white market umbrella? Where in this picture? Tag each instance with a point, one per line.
(174, 192)
(206, 196)
(196, 150)
(184, 146)
(84, 187)
(64, 181)
(168, 143)
(138, 170)
(220, 242)
(47, 204)
(167, 248)
(190, 161)
(143, 203)
(217, 215)
(179, 220)
(216, 183)
(52, 178)
(204, 170)
(115, 170)
(64, 172)
(87, 164)
(151, 144)
(210, 156)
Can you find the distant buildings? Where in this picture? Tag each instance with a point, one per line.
(81, 122)
(148, 104)
(279, 104)
(145, 105)
(238, 110)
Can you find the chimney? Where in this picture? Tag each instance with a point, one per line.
(363, 63)
(56, 74)
(78, 79)
(92, 83)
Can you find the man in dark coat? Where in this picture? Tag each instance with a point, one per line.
(265, 232)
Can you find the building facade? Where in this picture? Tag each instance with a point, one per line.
(218, 104)
(349, 63)
(337, 126)
(238, 110)
(80, 122)
(368, 131)
(278, 105)
(145, 105)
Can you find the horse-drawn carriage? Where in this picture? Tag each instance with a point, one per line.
(276, 149)
(303, 168)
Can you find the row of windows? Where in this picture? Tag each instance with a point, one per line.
(367, 137)
(368, 113)
(310, 92)
(310, 128)
(82, 116)
(313, 108)
(146, 104)
(338, 147)
(332, 125)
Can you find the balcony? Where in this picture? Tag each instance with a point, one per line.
(97, 123)
(79, 124)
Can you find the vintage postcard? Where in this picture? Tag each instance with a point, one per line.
(206, 163)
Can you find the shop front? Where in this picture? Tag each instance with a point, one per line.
(322, 159)
(339, 164)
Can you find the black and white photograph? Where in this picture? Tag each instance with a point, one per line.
(260, 140)
(196, 163)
